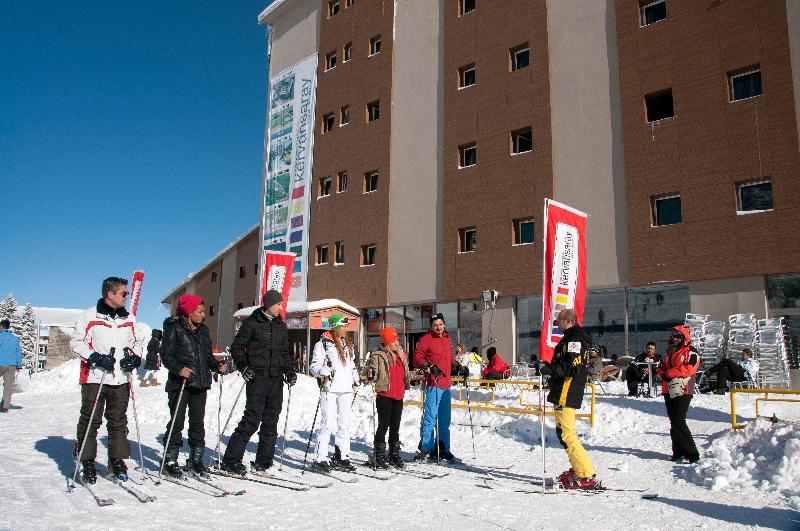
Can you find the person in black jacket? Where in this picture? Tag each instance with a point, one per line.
(568, 373)
(186, 353)
(639, 373)
(152, 363)
(261, 353)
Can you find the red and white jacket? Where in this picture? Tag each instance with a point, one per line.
(97, 330)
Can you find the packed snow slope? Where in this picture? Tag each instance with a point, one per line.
(745, 479)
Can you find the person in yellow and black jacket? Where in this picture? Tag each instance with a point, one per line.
(568, 373)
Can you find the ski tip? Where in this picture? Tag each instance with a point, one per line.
(649, 496)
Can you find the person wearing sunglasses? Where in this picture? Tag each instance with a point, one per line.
(103, 336)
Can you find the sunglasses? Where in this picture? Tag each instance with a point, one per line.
(124, 293)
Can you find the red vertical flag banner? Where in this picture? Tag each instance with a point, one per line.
(136, 291)
(563, 271)
(278, 267)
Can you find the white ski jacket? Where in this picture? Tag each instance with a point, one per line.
(325, 362)
(97, 330)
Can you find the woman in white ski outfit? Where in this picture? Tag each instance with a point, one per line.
(333, 363)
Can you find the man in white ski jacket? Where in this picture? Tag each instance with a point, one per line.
(103, 334)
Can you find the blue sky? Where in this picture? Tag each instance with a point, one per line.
(131, 137)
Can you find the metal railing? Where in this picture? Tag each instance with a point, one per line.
(766, 398)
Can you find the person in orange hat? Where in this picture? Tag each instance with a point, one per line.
(388, 369)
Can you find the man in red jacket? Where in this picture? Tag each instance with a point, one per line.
(434, 354)
(497, 368)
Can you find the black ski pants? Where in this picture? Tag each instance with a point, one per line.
(263, 407)
(682, 441)
(390, 411)
(729, 371)
(195, 401)
(113, 402)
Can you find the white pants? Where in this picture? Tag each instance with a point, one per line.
(335, 410)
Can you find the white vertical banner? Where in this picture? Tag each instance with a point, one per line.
(287, 190)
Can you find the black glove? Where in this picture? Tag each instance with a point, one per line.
(247, 374)
(290, 377)
(131, 361)
(103, 361)
(433, 369)
(546, 370)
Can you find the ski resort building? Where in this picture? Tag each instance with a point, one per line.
(411, 144)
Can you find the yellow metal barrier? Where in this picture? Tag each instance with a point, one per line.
(766, 393)
(490, 405)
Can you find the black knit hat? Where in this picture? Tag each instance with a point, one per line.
(436, 317)
(271, 298)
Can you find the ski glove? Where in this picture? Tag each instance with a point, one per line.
(103, 361)
(433, 369)
(248, 375)
(290, 377)
(131, 361)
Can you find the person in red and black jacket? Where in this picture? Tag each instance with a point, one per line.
(497, 368)
(677, 372)
(434, 354)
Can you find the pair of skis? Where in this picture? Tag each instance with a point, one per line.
(529, 487)
(128, 485)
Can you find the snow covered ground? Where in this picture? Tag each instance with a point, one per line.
(745, 479)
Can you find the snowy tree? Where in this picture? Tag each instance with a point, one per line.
(26, 332)
(8, 308)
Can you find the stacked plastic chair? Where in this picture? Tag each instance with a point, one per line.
(707, 336)
(772, 353)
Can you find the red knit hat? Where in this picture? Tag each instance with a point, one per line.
(388, 335)
(187, 303)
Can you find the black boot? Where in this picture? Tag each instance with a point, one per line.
(260, 468)
(118, 469)
(88, 472)
(337, 463)
(380, 456)
(321, 466)
(233, 468)
(195, 461)
(171, 466)
(394, 456)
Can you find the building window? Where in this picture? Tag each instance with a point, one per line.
(373, 111)
(465, 6)
(341, 184)
(344, 115)
(747, 84)
(370, 182)
(653, 11)
(211, 311)
(523, 231)
(255, 270)
(367, 255)
(338, 258)
(330, 61)
(239, 306)
(519, 57)
(467, 155)
(754, 196)
(666, 210)
(242, 272)
(659, 106)
(333, 8)
(466, 76)
(322, 254)
(324, 187)
(327, 123)
(349, 3)
(467, 240)
(213, 276)
(347, 52)
(375, 45)
(521, 141)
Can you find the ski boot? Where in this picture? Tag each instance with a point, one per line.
(565, 476)
(171, 466)
(118, 469)
(260, 468)
(576, 483)
(394, 456)
(422, 456)
(378, 459)
(321, 466)
(195, 461)
(446, 455)
(144, 383)
(233, 468)
(88, 472)
(337, 463)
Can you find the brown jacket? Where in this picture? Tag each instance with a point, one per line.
(379, 363)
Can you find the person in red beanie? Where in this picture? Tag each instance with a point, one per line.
(186, 352)
(388, 369)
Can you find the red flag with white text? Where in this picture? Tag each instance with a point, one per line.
(136, 291)
(278, 267)
(563, 271)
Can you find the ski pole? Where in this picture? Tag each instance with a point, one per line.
(285, 427)
(219, 425)
(471, 425)
(542, 434)
(438, 403)
(375, 433)
(136, 422)
(310, 433)
(91, 417)
(225, 427)
(88, 427)
(171, 425)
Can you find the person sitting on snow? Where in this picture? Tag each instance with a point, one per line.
(497, 369)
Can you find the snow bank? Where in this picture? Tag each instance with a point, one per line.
(763, 456)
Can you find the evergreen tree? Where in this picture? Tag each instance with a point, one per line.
(8, 308)
(27, 333)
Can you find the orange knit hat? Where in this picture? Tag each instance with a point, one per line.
(388, 335)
